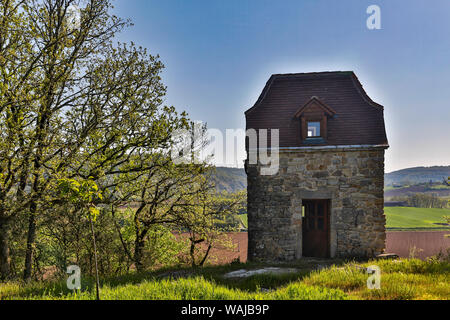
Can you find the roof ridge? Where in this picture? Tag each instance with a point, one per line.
(287, 75)
(318, 73)
(362, 92)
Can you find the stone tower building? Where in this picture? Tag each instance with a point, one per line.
(326, 199)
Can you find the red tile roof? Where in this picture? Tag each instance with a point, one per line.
(358, 119)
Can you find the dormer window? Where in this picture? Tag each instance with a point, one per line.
(313, 129)
(313, 118)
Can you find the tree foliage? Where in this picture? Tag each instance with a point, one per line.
(85, 133)
(211, 216)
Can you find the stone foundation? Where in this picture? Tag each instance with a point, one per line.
(353, 180)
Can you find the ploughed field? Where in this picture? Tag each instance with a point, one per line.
(418, 244)
(406, 244)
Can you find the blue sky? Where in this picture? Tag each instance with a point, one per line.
(220, 53)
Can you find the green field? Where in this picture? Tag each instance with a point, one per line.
(415, 218)
(244, 219)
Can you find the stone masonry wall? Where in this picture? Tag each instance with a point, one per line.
(353, 179)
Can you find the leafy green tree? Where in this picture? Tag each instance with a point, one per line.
(72, 106)
(207, 221)
(64, 238)
(84, 194)
(160, 195)
(163, 248)
(422, 200)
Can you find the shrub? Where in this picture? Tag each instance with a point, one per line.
(346, 278)
(430, 266)
(300, 291)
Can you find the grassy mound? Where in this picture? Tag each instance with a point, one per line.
(400, 280)
(196, 288)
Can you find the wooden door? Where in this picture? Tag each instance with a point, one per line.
(316, 228)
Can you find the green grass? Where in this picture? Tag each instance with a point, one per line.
(405, 279)
(400, 280)
(415, 218)
(389, 188)
(244, 219)
(440, 187)
(191, 288)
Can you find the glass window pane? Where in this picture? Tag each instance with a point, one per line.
(313, 129)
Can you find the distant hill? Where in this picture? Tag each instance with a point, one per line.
(230, 179)
(235, 179)
(417, 175)
(401, 191)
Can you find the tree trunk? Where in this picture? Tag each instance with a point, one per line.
(192, 251)
(139, 243)
(124, 245)
(4, 248)
(97, 281)
(30, 246)
(206, 256)
(138, 254)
